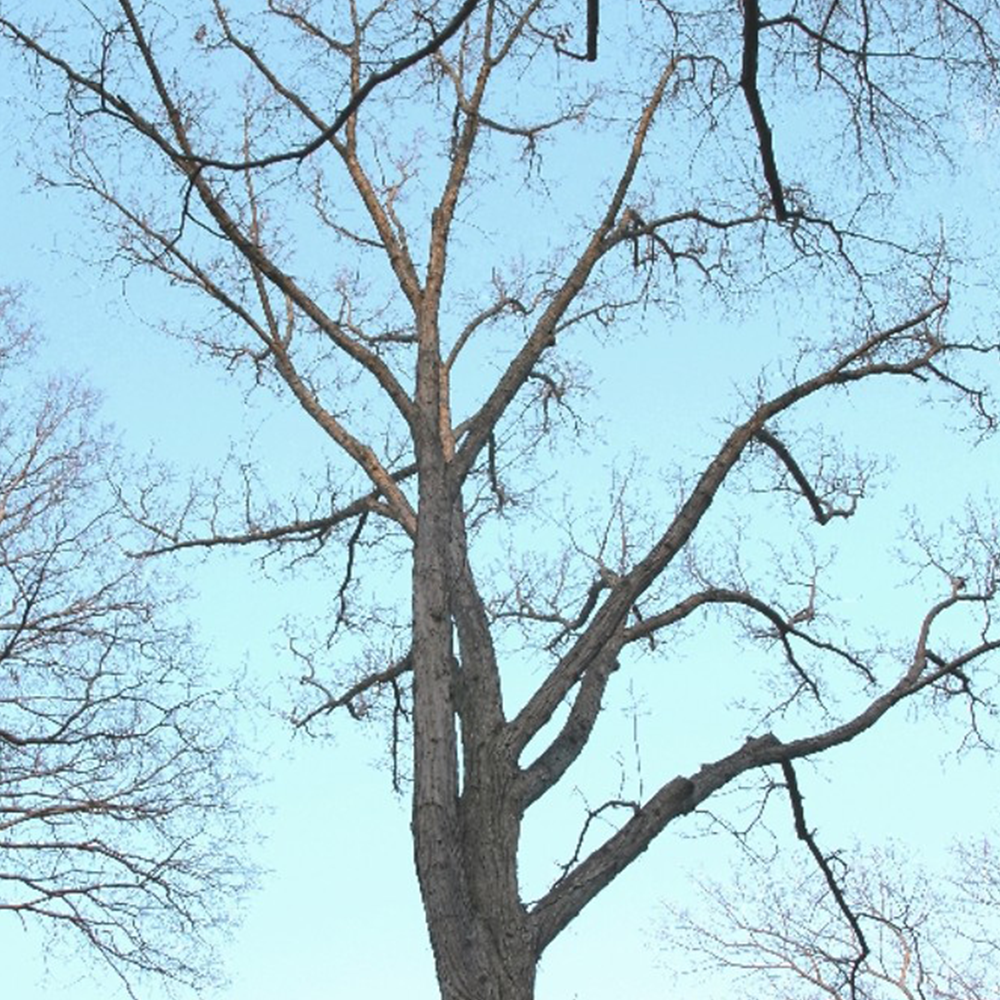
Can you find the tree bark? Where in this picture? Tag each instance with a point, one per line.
(465, 834)
(466, 819)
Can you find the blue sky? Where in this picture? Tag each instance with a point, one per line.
(337, 913)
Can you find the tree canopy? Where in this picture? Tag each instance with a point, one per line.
(427, 228)
(118, 779)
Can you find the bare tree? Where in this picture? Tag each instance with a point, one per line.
(116, 773)
(929, 938)
(480, 207)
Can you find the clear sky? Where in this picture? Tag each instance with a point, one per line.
(337, 914)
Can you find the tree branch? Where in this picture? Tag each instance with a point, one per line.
(327, 132)
(543, 336)
(748, 83)
(808, 838)
(346, 700)
(822, 512)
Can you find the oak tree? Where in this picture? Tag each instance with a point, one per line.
(416, 221)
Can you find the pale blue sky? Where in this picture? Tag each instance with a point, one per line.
(338, 915)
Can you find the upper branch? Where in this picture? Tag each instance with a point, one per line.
(822, 512)
(360, 95)
(748, 83)
(444, 212)
(278, 348)
(347, 699)
(543, 336)
(181, 154)
(916, 346)
(312, 530)
(399, 258)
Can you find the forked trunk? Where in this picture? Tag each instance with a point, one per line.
(473, 966)
(466, 823)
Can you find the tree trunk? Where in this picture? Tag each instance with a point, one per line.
(474, 966)
(498, 957)
(466, 819)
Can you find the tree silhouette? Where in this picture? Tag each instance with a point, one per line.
(117, 777)
(373, 263)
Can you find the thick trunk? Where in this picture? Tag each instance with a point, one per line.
(483, 953)
(466, 822)
(500, 964)
(465, 830)
(484, 974)
(482, 948)
(465, 834)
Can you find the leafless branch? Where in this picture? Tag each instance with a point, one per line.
(809, 839)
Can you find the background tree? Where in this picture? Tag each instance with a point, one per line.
(116, 772)
(929, 937)
(479, 209)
